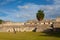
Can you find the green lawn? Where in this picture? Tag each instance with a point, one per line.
(27, 36)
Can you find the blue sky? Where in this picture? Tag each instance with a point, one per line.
(23, 10)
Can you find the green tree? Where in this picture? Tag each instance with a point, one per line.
(1, 21)
(40, 15)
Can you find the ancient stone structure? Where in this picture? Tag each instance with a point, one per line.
(29, 26)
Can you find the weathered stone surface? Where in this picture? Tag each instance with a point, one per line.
(28, 26)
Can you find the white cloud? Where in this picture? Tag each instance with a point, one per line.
(28, 11)
(23, 6)
(50, 10)
(57, 2)
(6, 2)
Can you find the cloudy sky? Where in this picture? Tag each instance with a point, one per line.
(23, 10)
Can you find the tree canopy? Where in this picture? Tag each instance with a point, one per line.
(1, 21)
(40, 15)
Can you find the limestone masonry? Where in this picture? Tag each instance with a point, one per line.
(29, 25)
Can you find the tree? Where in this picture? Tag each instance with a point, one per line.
(1, 21)
(40, 15)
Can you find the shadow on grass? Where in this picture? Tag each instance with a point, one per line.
(51, 32)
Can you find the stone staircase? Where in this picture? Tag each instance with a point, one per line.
(41, 28)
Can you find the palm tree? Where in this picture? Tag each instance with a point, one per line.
(40, 15)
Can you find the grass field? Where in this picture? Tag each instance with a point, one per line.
(27, 36)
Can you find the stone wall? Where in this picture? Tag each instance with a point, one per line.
(28, 27)
(56, 24)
